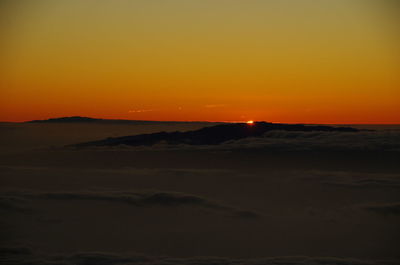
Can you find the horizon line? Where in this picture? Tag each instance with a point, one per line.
(200, 121)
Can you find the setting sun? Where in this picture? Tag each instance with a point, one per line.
(250, 122)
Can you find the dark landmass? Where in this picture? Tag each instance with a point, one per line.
(68, 119)
(80, 119)
(212, 135)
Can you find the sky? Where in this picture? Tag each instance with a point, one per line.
(211, 60)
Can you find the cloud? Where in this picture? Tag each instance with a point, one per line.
(140, 110)
(246, 214)
(17, 255)
(321, 140)
(356, 180)
(99, 258)
(383, 208)
(15, 251)
(367, 183)
(140, 199)
(20, 256)
(211, 106)
(12, 203)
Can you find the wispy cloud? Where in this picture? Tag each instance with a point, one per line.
(24, 255)
(13, 201)
(210, 106)
(391, 208)
(140, 110)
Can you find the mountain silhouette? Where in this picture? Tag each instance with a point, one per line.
(212, 135)
(80, 119)
(67, 119)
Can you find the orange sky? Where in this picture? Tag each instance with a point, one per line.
(227, 60)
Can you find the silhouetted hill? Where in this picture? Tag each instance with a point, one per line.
(211, 135)
(79, 119)
(68, 119)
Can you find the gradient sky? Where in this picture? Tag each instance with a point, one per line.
(217, 60)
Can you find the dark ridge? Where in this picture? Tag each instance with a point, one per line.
(79, 119)
(212, 135)
(67, 119)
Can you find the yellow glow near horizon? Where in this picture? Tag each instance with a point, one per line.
(280, 61)
(250, 122)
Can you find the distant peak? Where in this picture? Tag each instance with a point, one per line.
(67, 119)
(80, 119)
(212, 135)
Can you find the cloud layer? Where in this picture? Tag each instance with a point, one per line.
(137, 199)
(383, 208)
(25, 256)
(319, 140)
(356, 180)
(11, 203)
(288, 141)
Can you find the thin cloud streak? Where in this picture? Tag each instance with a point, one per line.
(141, 110)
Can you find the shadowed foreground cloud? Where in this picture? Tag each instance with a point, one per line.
(322, 140)
(355, 180)
(367, 183)
(25, 256)
(137, 199)
(383, 208)
(11, 203)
